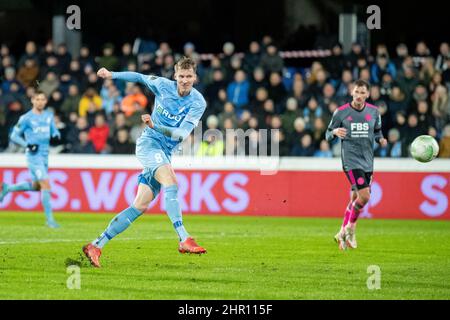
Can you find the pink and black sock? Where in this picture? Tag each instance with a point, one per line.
(355, 211)
(348, 213)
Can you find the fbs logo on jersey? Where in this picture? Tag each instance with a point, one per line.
(166, 114)
(359, 130)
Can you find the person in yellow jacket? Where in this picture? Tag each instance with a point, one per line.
(212, 147)
(90, 96)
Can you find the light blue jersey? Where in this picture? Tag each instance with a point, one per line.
(174, 118)
(36, 129)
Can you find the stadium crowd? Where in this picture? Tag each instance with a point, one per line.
(254, 90)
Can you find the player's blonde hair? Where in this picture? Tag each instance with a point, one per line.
(186, 63)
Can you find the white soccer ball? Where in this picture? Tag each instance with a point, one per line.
(424, 148)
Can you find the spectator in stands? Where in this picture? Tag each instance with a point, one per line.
(361, 64)
(127, 57)
(394, 148)
(324, 150)
(381, 67)
(446, 74)
(189, 51)
(441, 106)
(288, 117)
(92, 81)
(29, 93)
(425, 117)
(50, 84)
(318, 131)
(75, 71)
(71, 101)
(252, 58)
(64, 57)
(99, 133)
(167, 69)
(134, 101)
(402, 52)
(238, 91)
(110, 95)
(365, 74)
(51, 65)
(304, 147)
(427, 70)
(228, 51)
(49, 50)
(271, 60)
(6, 58)
(443, 56)
(30, 53)
(436, 80)
(90, 99)
(299, 92)
(356, 53)
(83, 145)
(335, 63)
(86, 59)
(299, 131)
(212, 89)
(328, 95)
(211, 146)
(278, 137)
(65, 80)
(408, 81)
(214, 66)
(108, 60)
(276, 90)
(72, 129)
(55, 101)
(236, 63)
(227, 113)
(258, 80)
(412, 129)
(119, 122)
(420, 94)
(121, 143)
(386, 85)
(422, 52)
(397, 101)
(444, 145)
(267, 114)
(343, 84)
(312, 111)
(10, 79)
(28, 72)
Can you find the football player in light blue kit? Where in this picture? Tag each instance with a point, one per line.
(177, 111)
(33, 132)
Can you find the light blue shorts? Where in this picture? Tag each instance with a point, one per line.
(152, 156)
(38, 166)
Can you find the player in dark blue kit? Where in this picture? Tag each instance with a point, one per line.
(33, 132)
(177, 111)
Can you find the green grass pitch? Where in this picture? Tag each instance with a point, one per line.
(248, 258)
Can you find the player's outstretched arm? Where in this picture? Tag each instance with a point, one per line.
(151, 82)
(126, 76)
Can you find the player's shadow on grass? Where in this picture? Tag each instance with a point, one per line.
(81, 261)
